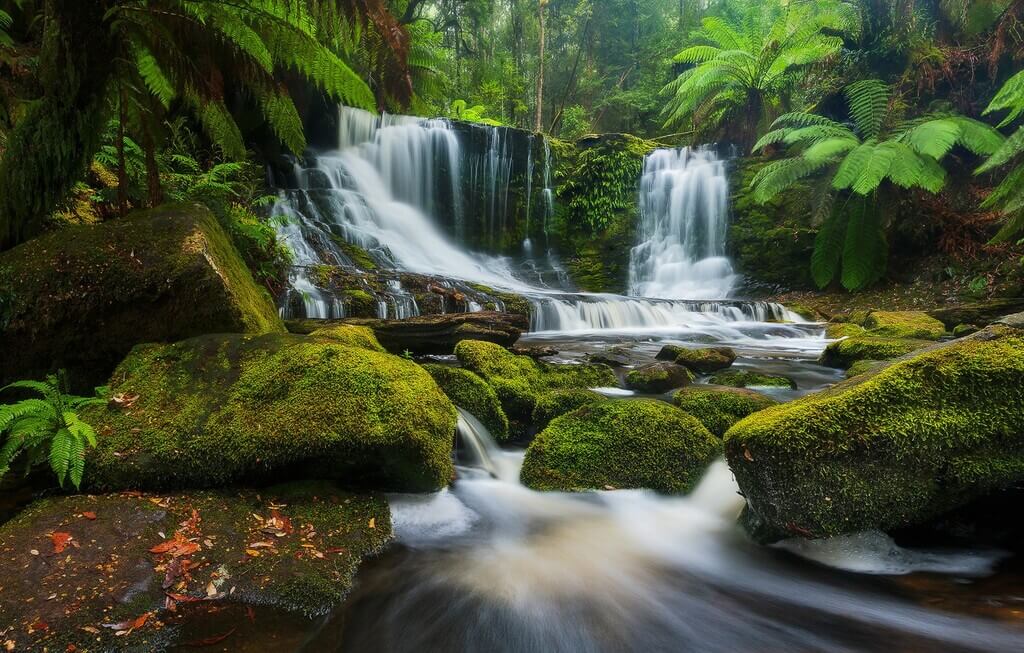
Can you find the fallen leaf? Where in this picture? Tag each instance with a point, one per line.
(211, 589)
(748, 455)
(39, 625)
(88, 514)
(60, 541)
(176, 546)
(373, 522)
(210, 641)
(91, 629)
(252, 553)
(183, 598)
(173, 571)
(126, 627)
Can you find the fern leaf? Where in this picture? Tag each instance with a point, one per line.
(61, 448)
(828, 249)
(1009, 98)
(1011, 147)
(934, 138)
(869, 101)
(864, 248)
(852, 166)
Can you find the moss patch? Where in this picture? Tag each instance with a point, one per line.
(349, 334)
(844, 353)
(862, 367)
(889, 448)
(657, 378)
(904, 324)
(641, 443)
(108, 575)
(719, 407)
(559, 402)
(81, 297)
(746, 379)
(836, 330)
(706, 360)
(469, 392)
(221, 409)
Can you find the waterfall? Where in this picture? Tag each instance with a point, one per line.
(683, 217)
(394, 179)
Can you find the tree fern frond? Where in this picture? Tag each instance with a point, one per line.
(1009, 98)
(1011, 147)
(780, 175)
(852, 166)
(828, 249)
(864, 248)
(61, 448)
(934, 138)
(868, 100)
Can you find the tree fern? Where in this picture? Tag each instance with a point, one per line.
(868, 100)
(1008, 197)
(864, 246)
(47, 429)
(828, 249)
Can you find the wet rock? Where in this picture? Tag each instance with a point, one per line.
(836, 330)
(223, 409)
(469, 392)
(961, 330)
(656, 378)
(536, 351)
(614, 357)
(719, 407)
(556, 403)
(641, 443)
(80, 298)
(432, 334)
(87, 563)
(981, 313)
(892, 447)
(746, 379)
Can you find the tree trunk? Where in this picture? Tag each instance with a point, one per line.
(122, 167)
(52, 145)
(538, 122)
(154, 190)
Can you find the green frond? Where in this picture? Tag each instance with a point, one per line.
(934, 138)
(828, 150)
(907, 167)
(1010, 148)
(780, 175)
(61, 449)
(828, 248)
(869, 101)
(874, 168)
(852, 166)
(153, 76)
(284, 120)
(771, 138)
(798, 119)
(864, 249)
(978, 137)
(1009, 98)
(721, 33)
(221, 128)
(697, 54)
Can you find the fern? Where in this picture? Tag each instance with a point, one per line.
(828, 249)
(1008, 197)
(47, 429)
(868, 100)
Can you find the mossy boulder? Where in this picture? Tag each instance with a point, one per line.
(80, 298)
(707, 359)
(640, 443)
(294, 548)
(747, 378)
(836, 330)
(889, 448)
(961, 330)
(904, 324)
(469, 392)
(520, 380)
(222, 409)
(862, 367)
(556, 403)
(844, 353)
(656, 378)
(355, 336)
(719, 407)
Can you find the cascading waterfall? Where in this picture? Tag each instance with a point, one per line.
(683, 217)
(385, 188)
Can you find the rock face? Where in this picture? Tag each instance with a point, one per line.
(432, 334)
(82, 297)
(719, 407)
(469, 392)
(223, 409)
(642, 443)
(890, 447)
(656, 378)
(311, 540)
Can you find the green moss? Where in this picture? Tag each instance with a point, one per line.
(862, 367)
(803, 310)
(349, 334)
(706, 360)
(559, 402)
(656, 378)
(469, 392)
(844, 353)
(961, 330)
(904, 324)
(512, 303)
(359, 256)
(746, 379)
(889, 448)
(81, 297)
(359, 303)
(718, 408)
(220, 409)
(620, 444)
(520, 380)
(836, 330)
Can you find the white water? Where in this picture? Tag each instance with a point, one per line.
(684, 207)
(495, 566)
(382, 191)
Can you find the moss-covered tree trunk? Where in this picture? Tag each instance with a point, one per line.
(52, 145)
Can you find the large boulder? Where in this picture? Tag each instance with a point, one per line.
(719, 407)
(890, 447)
(125, 571)
(82, 297)
(556, 403)
(704, 360)
(638, 443)
(469, 392)
(521, 380)
(656, 378)
(904, 324)
(221, 409)
(844, 353)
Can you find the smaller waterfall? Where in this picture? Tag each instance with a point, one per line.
(683, 218)
(484, 453)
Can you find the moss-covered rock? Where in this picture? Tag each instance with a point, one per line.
(707, 360)
(469, 392)
(520, 380)
(295, 547)
(642, 443)
(656, 378)
(348, 334)
(886, 449)
(836, 330)
(222, 409)
(81, 297)
(719, 407)
(862, 367)
(844, 353)
(746, 379)
(961, 330)
(808, 313)
(556, 403)
(904, 324)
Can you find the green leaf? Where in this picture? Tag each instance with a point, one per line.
(828, 249)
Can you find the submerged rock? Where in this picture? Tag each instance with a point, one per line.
(469, 392)
(888, 448)
(961, 330)
(656, 378)
(223, 409)
(519, 381)
(639, 443)
(146, 561)
(904, 324)
(80, 298)
(746, 379)
(844, 353)
(719, 407)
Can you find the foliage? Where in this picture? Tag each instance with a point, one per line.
(602, 181)
(49, 428)
(1008, 196)
(576, 123)
(859, 157)
(478, 113)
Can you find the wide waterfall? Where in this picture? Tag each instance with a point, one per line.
(684, 206)
(407, 189)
